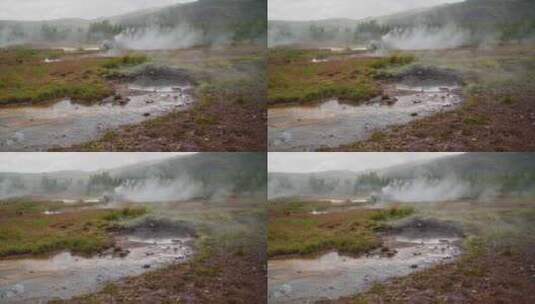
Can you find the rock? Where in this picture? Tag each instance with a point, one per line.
(414, 114)
(146, 114)
(376, 99)
(286, 289)
(11, 291)
(414, 266)
(146, 266)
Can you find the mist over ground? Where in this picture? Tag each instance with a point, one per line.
(448, 25)
(181, 24)
(205, 176)
(477, 176)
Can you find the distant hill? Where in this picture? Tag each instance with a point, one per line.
(506, 20)
(214, 20)
(475, 172)
(210, 173)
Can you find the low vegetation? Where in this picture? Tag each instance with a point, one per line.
(224, 238)
(498, 99)
(294, 78)
(228, 113)
(26, 229)
(293, 230)
(25, 77)
(495, 267)
(127, 60)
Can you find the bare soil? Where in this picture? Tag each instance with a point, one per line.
(217, 126)
(500, 277)
(482, 125)
(498, 115)
(226, 277)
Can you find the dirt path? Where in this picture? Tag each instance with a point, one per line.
(499, 113)
(230, 276)
(492, 278)
(485, 124)
(218, 126)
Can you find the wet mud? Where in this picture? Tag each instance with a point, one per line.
(65, 123)
(334, 123)
(408, 248)
(151, 245)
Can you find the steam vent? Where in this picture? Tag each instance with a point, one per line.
(267, 152)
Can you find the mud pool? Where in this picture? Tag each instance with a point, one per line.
(333, 123)
(65, 276)
(332, 276)
(64, 123)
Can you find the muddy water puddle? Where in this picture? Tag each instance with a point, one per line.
(65, 276)
(333, 276)
(333, 123)
(64, 123)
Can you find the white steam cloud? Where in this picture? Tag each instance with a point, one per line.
(424, 190)
(157, 39)
(8, 190)
(157, 190)
(422, 37)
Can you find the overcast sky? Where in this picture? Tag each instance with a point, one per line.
(49, 162)
(87, 9)
(317, 162)
(351, 9)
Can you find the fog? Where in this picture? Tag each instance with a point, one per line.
(58, 9)
(424, 38)
(356, 162)
(316, 10)
(157, 190)
(425, 190)
(153, 38)
(35, 162)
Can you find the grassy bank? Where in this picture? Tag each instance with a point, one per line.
(498, 113)
(294, 78)
(25, 229)
(228, 115)
(227, 235)
(496, 266)
(293, 230)
(25, 77)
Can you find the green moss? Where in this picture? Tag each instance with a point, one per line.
(293, 78)
(292, 230)
(25, 230)
(128, 60)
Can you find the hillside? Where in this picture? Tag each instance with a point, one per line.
(213, 20)
(475, 173)
(201, 175)
(478, 19)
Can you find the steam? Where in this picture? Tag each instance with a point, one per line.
(425, 190)
(157, 190)
(9, 189)
(153, 38)
(421, 37)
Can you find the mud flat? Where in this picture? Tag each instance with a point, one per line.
(64, 276)
(333, 123)
(332, 276)
(64, 123)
